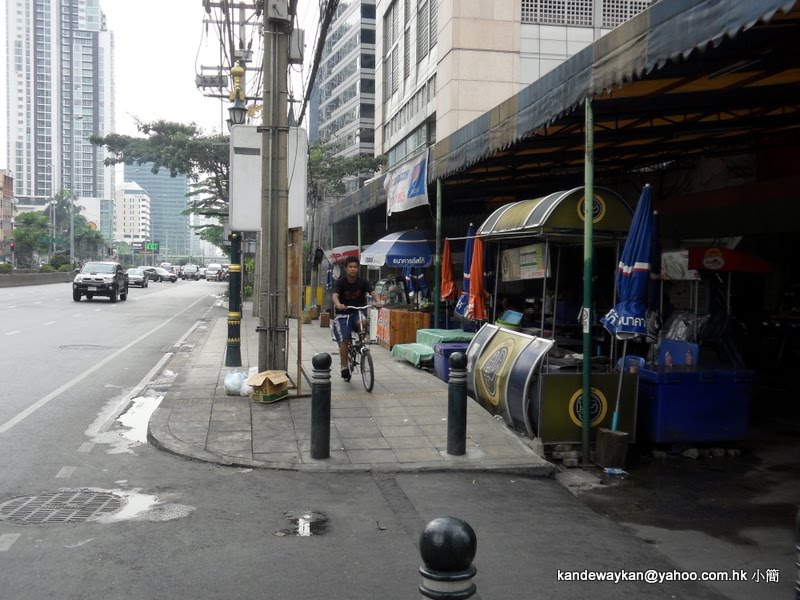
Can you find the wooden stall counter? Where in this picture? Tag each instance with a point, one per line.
(399, 325)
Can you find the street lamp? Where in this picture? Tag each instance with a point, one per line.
(238, 112)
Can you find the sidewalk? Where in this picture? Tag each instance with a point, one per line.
(400, 426)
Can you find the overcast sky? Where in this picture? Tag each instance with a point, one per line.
(159, 47)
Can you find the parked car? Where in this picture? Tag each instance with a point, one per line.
(189, 272)
(138, 277)
(150, 271)
(214, 272)
(100, 279)
(201, 273)
(164, 275)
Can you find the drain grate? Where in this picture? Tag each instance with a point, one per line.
(83, 347)
(72, 506)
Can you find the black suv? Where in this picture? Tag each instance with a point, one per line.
(100, 279)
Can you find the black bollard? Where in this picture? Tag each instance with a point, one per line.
(233, 350)
(797, 560)
(447, 546)
(457, 405)
(321, 406)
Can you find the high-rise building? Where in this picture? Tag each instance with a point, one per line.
(443, 63)
(167, 194)
(132, 211)
(6, 215)
(345, 112)
(60, 91)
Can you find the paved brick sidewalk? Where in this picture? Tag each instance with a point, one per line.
(400, 426)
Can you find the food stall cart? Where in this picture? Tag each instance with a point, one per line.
(398, 323)
(531, 377)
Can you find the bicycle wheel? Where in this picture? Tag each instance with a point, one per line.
(367, 369)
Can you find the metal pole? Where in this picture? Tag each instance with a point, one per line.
(457, 405)
(437, 258)
(321, 406)
(588, 205)
(233, 351)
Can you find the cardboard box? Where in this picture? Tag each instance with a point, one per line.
(269, 386)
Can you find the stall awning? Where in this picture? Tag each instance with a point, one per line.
(681, 80)
(559, 214)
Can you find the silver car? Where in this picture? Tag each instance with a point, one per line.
(138, 277)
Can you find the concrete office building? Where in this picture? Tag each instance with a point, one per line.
(59, 91)
(344, 111)
(169, 227)
(443, 63)
(132, 212)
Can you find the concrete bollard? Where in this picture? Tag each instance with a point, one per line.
(447, 546)
(321, 406)
(457, 405)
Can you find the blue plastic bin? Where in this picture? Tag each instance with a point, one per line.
(441, 357)
(679, 406)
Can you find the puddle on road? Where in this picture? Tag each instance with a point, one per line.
(304, 524)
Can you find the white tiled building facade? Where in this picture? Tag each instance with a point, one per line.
(59, 91)
(132, 214)
(443, 63)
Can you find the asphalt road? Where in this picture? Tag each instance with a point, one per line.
(195, 530)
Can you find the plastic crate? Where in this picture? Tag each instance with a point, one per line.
(441, 357)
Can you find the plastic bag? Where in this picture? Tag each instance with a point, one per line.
(247, 390)
(233, 382)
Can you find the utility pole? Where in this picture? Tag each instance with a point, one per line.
(272, 298)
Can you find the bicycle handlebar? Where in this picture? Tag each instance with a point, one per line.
(356, 307)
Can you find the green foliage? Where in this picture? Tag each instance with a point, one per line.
(248, 291)
(46, 269)
(183, 150)
(58, 261)
(32, 235)
(328, 171)
(5, 268)
(65, 268)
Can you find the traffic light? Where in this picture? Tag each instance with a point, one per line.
(13, 246)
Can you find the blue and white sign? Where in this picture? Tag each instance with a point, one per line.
(406, 185)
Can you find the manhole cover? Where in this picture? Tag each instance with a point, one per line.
(59, 507)
(82, 347)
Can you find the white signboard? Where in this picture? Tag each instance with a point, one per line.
(244, 209)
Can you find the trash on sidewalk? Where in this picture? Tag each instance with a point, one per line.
(615, 472)
(233, 382)
(269, 386)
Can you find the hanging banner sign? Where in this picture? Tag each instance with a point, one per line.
(526, 262)
(406, 185)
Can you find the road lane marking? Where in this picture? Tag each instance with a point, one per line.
(77, 315)
(86, 447)
(49, 322)
(180, 342)
(65, 472)
(14, 332)
(54, 394)
(97, 309)
(7, 540)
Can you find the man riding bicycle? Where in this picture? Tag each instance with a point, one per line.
(349, 290)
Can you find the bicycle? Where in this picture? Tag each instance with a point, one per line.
(359, 353)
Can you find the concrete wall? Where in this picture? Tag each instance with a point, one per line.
(14, 279)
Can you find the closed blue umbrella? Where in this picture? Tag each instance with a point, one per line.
(627, 320)
(463, 299)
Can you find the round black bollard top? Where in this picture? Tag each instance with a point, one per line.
(321, 361)
(458, 360)
(448, 545)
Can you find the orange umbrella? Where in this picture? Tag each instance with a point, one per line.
(448, 285)
(476, 309)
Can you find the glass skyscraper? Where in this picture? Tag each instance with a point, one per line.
(168, 225)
